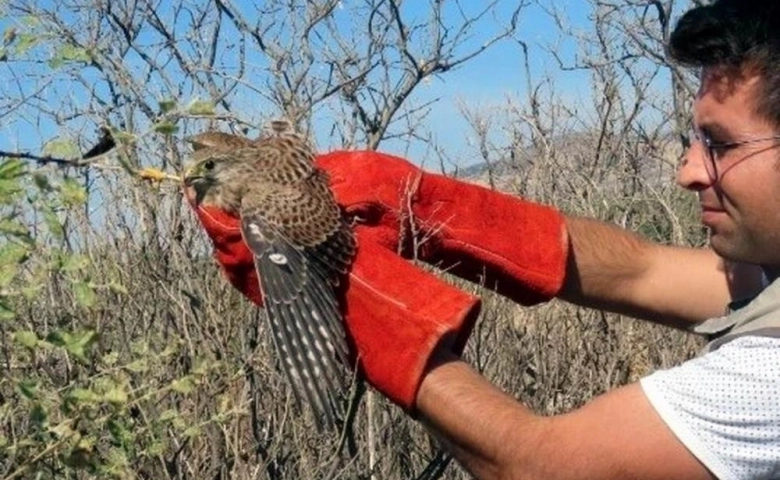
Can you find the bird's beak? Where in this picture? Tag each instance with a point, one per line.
(195, 186)
(190, 178)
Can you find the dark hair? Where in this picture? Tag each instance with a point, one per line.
(734, 34)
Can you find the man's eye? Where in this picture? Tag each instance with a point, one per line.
(715, 140)
(706, 138)
(721, 149)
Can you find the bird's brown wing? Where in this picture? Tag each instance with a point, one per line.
(302, 307)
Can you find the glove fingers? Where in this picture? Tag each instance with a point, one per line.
(396, 314)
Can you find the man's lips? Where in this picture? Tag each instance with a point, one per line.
(711, 213)
(710, 207)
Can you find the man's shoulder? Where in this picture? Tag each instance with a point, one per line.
(723, 406)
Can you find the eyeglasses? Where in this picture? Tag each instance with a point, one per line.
(714, 151)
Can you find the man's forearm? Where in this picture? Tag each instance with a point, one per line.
(604, 261)
(616, 436)
(477, 422)
(613, 269)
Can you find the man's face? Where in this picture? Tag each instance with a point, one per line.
(742, 206)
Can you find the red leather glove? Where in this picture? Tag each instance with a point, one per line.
(510, 245)
(395, 313)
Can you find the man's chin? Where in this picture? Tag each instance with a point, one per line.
(721, 245)
(726, 246)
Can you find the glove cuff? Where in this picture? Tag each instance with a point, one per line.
(515, 247)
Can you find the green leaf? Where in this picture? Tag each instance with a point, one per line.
(168, 415)
(12, 168)
(39, 415)
(53, 222)
(85, 294)
(73, 53)
(31, 290)
(74, 263)
(81, 396)
(14, 228)
(116, 395)
(8, 274)
(118, 288)
(120, 433)
(68, 54)
(138, 366)
(61, 148)
(122, 136)
(124, 162)
(166, 128)
(192, 431)
(31, 21)
(25, 42)
(42, 182)
(9, 189)
(79, 343)
(201, 107)
(183, 385)
(72, 192)
(63, 430)
(26, 338)
(178, 423)
(117, 461)
(12, 255)
(28, 388)
(167, 106)
(110, 359)
(6, 312)
(58, 338)
(155, 448)
(11, 174)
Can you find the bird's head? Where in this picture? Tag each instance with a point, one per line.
(215, 177)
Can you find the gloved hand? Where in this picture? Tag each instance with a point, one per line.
(510, 245)
(395, 313)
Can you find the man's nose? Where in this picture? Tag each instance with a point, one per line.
(692, 173)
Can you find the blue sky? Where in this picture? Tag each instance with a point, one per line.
(499, 72)
(485, 80)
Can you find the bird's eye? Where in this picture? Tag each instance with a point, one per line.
(209, 165)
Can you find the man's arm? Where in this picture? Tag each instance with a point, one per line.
(618, 435)
(613, 269)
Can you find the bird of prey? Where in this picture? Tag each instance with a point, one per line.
(301, 243)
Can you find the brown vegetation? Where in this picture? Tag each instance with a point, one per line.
(124, 354)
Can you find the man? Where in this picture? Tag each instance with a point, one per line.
(716, 416)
